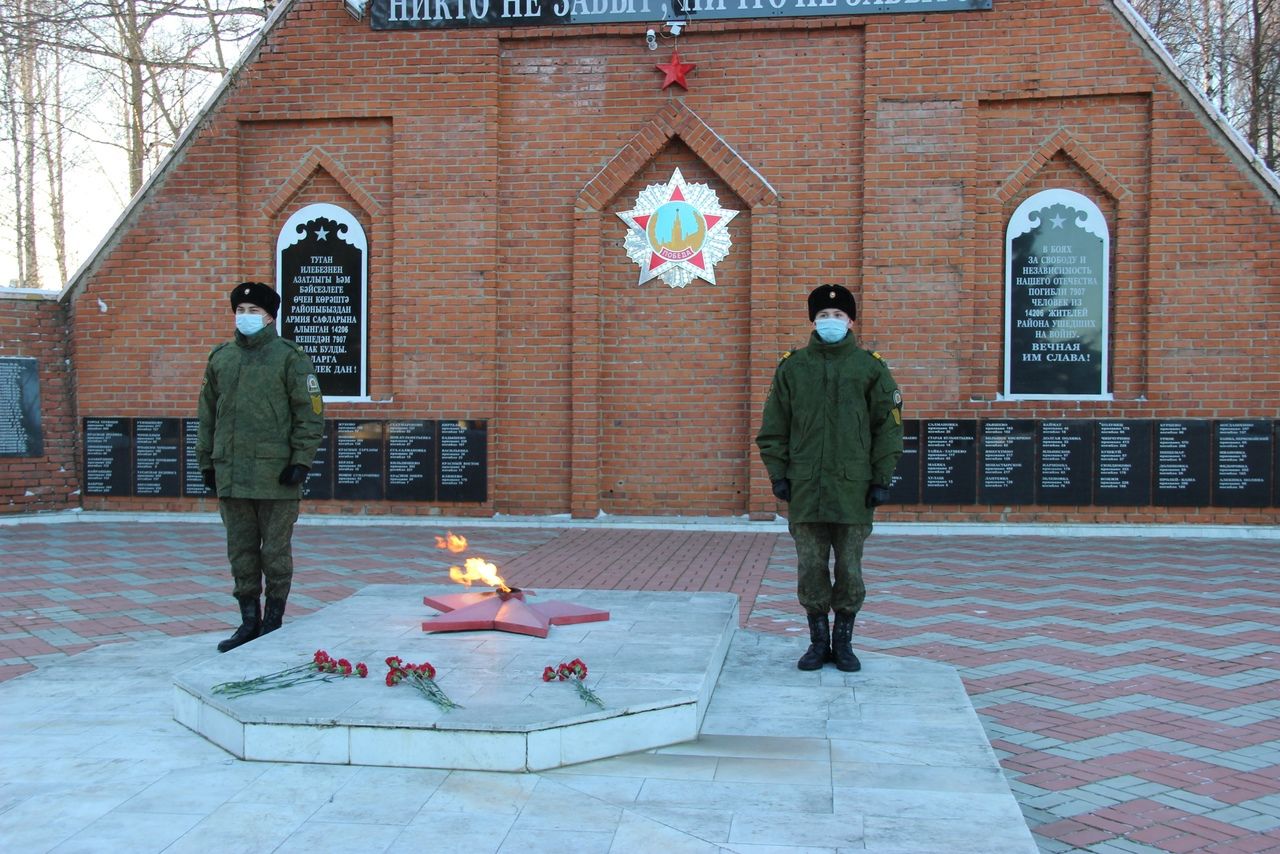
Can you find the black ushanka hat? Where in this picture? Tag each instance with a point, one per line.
(256, 293)
(832, 296)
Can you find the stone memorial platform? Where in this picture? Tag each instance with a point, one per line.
(653, 663)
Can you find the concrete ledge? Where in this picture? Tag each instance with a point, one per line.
(653, 664)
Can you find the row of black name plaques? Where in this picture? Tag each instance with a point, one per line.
(356, 461)
(1126, 462)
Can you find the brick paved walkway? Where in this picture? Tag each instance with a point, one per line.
(1130, 686)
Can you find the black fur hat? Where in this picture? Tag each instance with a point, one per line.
(256, 293)
(832, 296)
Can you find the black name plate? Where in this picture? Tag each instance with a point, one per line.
(108, 446)
(319, 482)
(904, 488)
(1122, 465)
(411, 461)
(1182, 468)
(449, 14)
(20, 430)
(464, 458)
(359, 455)
(1065, 462)
(1242, 466)
(322, 296)
(1007, 471)
(950, 461)
(157, 451)
(192, 478)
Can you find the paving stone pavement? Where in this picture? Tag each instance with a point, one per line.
(1129, 684)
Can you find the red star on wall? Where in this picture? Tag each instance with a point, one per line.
(675, 70)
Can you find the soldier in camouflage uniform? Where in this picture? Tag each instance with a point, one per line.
(261, 420)
(830, 437)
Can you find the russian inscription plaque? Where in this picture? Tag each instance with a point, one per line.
(358, 455)
(1122, 466)
(904, 488)
(411, 461)
(20, 429)
(321, 277)
(157, 450)
(950, 461)
(1008, 462)
(1065, 462)
(464, 456)
(1181, 464)
(319, 482)
(1242, 467)
(1057, 259)
(108, 443)
(192, 478)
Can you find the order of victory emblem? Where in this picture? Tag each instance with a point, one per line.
(677, 232)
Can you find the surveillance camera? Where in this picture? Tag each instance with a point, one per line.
(651, 39)
(355, 8)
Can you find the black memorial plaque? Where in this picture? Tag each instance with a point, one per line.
(319, 483)
(1275, 465)
(192, 478)
(1242, 467)
(322, 305)
(157, 453)
(904, 488)
(411, 461)
(359, 454)
(1065, 462)
(1122, 463)
(1057, 306)
(950, 455)
(464, 458)
(406, 15)
(1182, 470)
(20, 429)
(1007, 470)
(108, 457)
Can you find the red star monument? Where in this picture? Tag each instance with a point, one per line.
(675, 71)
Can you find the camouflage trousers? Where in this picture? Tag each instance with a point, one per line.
(820, 588)
(260, 544)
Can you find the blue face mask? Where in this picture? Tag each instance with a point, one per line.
(248, 324)
(831, 329)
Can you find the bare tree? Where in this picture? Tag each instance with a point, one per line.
(127, 74)
(1230, 49)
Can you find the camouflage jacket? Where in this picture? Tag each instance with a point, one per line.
(832, 425)
(260, 411)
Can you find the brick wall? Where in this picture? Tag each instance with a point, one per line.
(886, 152)
(33, 325)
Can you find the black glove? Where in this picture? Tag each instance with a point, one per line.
(782, 489)
(210, 479)
(293, 475)
(877, 495)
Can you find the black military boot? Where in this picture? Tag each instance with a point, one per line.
(274, 616)
(819, 650)
(841, 637)
(250, 624)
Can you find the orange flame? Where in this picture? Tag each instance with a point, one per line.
(455, 543)
(478, 569)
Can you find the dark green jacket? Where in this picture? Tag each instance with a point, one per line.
(260, 411)
(832, 425)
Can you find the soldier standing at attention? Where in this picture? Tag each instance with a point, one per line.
(831, 437)
(261, 420)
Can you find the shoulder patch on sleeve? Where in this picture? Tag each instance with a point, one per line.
(784, 357)
(313, 389)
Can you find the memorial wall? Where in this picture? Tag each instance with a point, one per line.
(546, 264)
